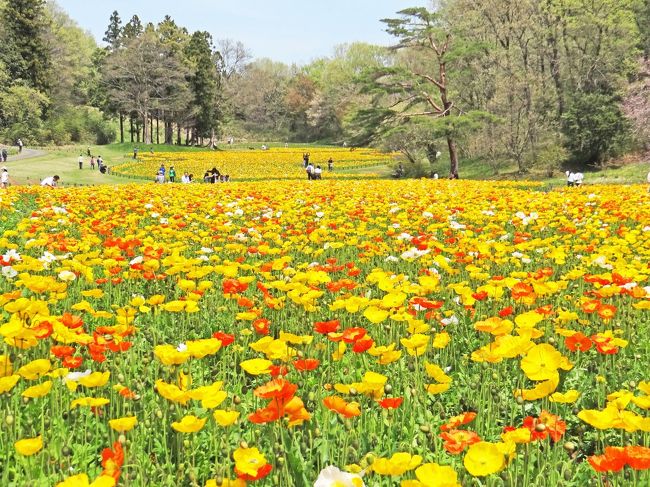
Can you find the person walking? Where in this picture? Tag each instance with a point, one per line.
(81, 161)
(20, 145)
(172, 174)
(318, 173)
(4, 154)
(330, 164)
(92, 162)
(310, 171)
(4, 178)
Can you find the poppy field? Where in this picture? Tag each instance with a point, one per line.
(243, 165)
(327, 333)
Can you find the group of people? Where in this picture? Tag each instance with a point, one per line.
(213, 176)
(574, 178)
(99, 162)
(315, 172)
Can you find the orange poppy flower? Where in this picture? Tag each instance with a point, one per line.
(112, 460)
(457, 440)
(325, 327)
(362, 344)
(71, 321)
(521, 290)
(341, 406)
(638, 457)
(224, 338)
(261, 326)
(613, 460)
(71, 362)
(591, 306)
(279, 389)
(265, 415)
(62, 351)
(606, 311)
(306, 364)
(391, 402)
(351, 335)
(578, 342)
(457, 421)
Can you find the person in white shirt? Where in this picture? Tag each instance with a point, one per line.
(81, 161)
(160, 178)
(310, 171)
(4, 178)
(578, 177)
(571, 179)
(185, 179)
(318, 172)
(51, 182)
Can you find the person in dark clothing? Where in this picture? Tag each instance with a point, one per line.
(215, 175)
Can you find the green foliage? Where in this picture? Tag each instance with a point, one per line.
(25, 52)
(21, 113)
(595, 128)
(204, 82)
(79, 125)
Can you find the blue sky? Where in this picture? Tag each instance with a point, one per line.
(283, 30)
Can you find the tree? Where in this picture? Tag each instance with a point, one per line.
(132, 29)
(205, 84)
(144, 76)
(419, 88)
(113, 34)
(596, 127)
(27, 55)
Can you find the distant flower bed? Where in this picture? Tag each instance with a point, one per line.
(276, 163)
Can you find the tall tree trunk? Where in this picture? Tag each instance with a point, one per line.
(151, 130)
(187, 136)
(157, 130)
(146, 135)
(453, 158)
(121, 128)
(213, 142)
(131, 127)
(169, 132)
(178, 134)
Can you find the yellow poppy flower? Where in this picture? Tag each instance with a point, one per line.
(38, 391)
(484, 459)
(35, 369)
(189, 424)
(8, 383)
(122, 425)
(92, 402)
(568, 397)
(541, 362)
(29, 446)
(398, 464)
(256, 366)
(225, 418)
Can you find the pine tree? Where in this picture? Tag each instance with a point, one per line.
(28, 58)
(113, 34)
(133, 28)
(205, 85)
